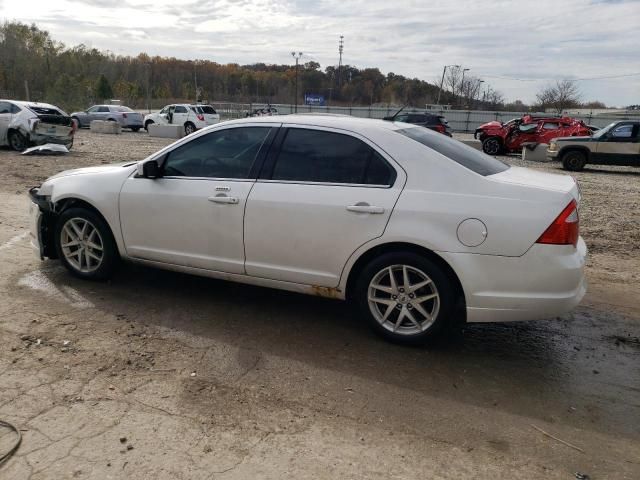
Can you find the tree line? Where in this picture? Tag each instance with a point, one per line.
(34, 64)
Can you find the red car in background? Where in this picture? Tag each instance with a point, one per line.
(498, 137)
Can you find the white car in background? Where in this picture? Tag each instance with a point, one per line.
(413, 227)
(191, 117)
(23, 124)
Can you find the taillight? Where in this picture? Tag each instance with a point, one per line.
(565, 228)
(200, 117)
(440, 128)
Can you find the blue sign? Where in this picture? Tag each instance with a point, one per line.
(313, 99)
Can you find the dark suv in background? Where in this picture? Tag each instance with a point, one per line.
(427, 120)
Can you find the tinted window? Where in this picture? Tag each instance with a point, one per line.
(103, 109)
(181, 109)
(208, 109)
(15, 108)
(92, 109)
(457, 151)
(327, 157)
(226, 153)
(5, 107)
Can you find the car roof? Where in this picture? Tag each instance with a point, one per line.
(24, 103)
(344, 122)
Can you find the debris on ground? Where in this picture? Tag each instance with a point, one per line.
(582, 476)
(46, 149)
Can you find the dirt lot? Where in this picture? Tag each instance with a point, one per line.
(164, 376)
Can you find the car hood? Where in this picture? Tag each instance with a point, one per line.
(112, 167)
(493, 124)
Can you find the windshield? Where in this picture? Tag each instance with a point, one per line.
(457, 151)
(604, 130)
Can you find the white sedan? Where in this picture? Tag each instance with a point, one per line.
(413, 227)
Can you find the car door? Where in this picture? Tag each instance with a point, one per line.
(5, 120)
(620, 146)
(102, 113)
(193, 215)
(322, 193)
(180, 115)
(547, 131)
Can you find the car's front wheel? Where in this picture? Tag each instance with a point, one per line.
(574, 161)
(85, 244)
(147, 123)
(492, 146)
(405, 297)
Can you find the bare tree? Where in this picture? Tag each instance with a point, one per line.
(564, 94)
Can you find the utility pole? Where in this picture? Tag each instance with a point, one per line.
(462, 82)
(480, 82)
(444, 70)
(340, 50)
(297, 57)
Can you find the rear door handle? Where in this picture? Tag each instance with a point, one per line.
(224, 199)
(365, 208)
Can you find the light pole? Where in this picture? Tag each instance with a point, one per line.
(462, 82)
(444, 70)
(480, 82)
(297, 57)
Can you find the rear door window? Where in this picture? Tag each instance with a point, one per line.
(458, 152)
(327, 157)
(181, 109)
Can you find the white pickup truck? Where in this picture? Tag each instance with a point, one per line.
(23, 124)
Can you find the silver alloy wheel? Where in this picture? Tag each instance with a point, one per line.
(189, 128)
(403, 299)
(82, 245)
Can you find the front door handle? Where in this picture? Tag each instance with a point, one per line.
(365, 208)
(224, 199)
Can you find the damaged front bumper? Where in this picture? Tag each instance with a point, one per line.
(41, 226)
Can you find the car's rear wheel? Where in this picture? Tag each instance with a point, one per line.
(135, 129)
(574, 161)
(85, 244)
(405, 297)
(492, 146)
(189, 128)
(17, 141)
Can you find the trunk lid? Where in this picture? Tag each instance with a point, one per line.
(542, 180)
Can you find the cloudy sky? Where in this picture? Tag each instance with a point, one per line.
(517, 46)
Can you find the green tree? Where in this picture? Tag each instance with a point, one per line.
(103, 88)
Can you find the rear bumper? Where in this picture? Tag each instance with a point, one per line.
(545, 282)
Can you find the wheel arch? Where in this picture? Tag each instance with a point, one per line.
(62, 204)
(574, 148)
(380, 249)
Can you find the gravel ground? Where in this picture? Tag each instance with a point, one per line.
(166, 376)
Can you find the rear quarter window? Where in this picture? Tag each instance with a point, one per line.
(457, 151)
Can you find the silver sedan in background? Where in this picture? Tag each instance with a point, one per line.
(125, 116)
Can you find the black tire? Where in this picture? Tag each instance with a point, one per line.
(419, 269)
(147, 123)
(574, 161)
(17, 141)
(110, 257)
(189, 128)
(492, 146)
(135, 129)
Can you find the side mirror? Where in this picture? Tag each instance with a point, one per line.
(151, 170)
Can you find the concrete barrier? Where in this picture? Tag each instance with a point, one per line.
(537, 154)
(166, 131)
(101, 126)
